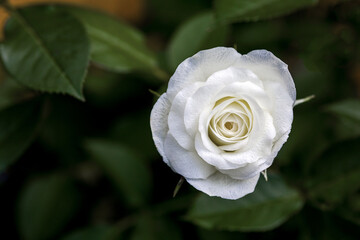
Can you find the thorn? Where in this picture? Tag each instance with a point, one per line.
(264, 173)
(303, 100)
(178, 186)
(155, 93)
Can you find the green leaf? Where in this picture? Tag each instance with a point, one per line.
(18, 125)
(350, 210)
(46, 49)
(206, 234)
(228, 11)
(91, 233)
(150, 227)
(335, 174)
(349, 117)
(348, 109)
(11, 92)
(200, 32)
(46, 205)
(124, 168)
(114, 44)
(128, 128)
(270, 205)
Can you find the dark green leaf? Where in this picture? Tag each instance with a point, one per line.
(198, 33)
(114, 44)
(127, 130)
(151, 227)
(348, 108)
(46, 49)
(46, 205)
(18, 125)
(91, 233)
(167, 13)
(124, 168)
(11, 92)
(350, 210)
(335, 174)
(348, 112)
(243, 10)
(271, 204)
(206, 234)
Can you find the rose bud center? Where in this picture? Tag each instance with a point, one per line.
(231, 122)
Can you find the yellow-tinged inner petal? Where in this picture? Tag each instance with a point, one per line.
(231, 121)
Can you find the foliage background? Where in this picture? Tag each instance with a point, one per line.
(83, 165)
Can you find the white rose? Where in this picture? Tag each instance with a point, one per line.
(223, 119)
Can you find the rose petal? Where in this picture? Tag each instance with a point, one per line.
(158, 123)
(260, 141)
(234, 74)
(201, 100)
(246, 90)
(176, 116)
(213, 158)
(269, 69)
(258, 145)
(248, 171)
(278, 83)
(200, 66)
(223, 186)
(186, 163)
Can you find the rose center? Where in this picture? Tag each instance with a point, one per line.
(231, 122)
(229, 125)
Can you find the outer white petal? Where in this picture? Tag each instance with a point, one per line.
(260, 165)
(232, 74)
(278, 83)
(280, 142)
(269, 69)
(200, 66)
(158, 123)
(223, 186)
(186, 163)
(176, 116)
(248, 171)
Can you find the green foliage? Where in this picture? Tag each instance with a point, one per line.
(271, 204)
(348, 109)
(18, 126)
(155, 228)
(330, 182)
(130, 176)
(91, 233)
(10, 92)
(46, 205)
(243, 10)
(127, 130)
(348, 114)
(114, 44)
(351, 210)
(46, 49)
(198, 33)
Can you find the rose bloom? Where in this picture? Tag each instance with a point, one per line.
(223, 119)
